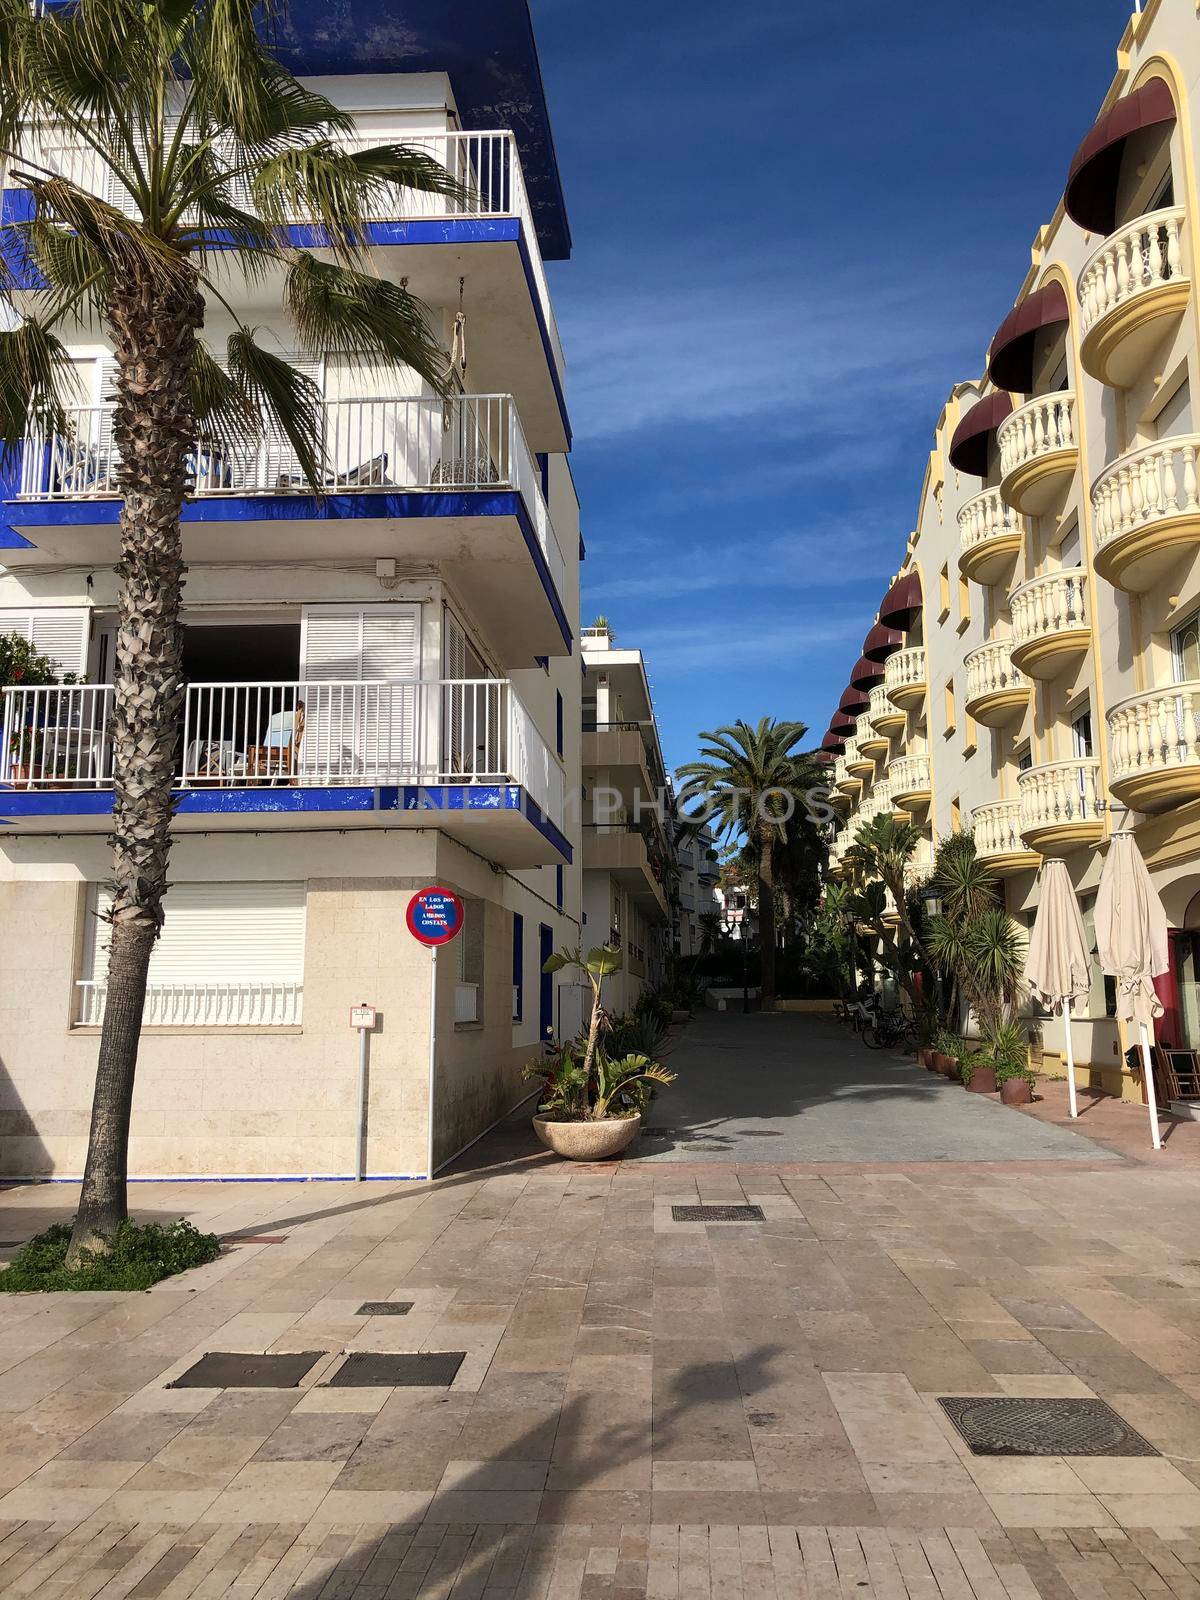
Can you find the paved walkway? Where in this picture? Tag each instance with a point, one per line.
(647, 1407)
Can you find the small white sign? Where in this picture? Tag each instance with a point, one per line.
(363, 1017)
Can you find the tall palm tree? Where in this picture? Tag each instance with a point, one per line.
(882, 849)
(752, 781)
(212, 147)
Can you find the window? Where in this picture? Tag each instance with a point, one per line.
(970, 737)
(1174, 416)
(558, 886)
(964, 603)
(558, 722)
(951, 714)
(1069, 553)
(1081, 735)
(518, 966)
(1024, 758)
(468, 991)
(955, 814)
(944, 593)
(60, 633)
(1185, 650)
(229, 955)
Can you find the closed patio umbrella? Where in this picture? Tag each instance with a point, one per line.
(1057, 968)
(1131, 935)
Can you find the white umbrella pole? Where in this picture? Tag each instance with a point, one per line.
(1070, 1055)
(1148, 1069)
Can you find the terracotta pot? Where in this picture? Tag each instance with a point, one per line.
(943, 1064)
(587, 1141)
(1016, 1092)
(925, 1057)
(983, 1081)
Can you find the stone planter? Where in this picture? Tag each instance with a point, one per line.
(587, 1141)
(983, 1081)
(1016, 1092)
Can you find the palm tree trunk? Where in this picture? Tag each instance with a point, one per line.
(154, 332)
(766, 918)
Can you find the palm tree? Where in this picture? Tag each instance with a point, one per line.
(181, 110)
(882, 849)
(752, 781)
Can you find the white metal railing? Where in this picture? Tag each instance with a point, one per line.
(1041, 427)
(1149, 485)
(398, 442)
(250, 1003)
(1143, 255)
(990, 671)
(1060, 794)
(905, 670)
(1157, 731)
(305, 733)
(997, 828)
(486, 166)
(987, 519)
(1054, 603)
(909, 776)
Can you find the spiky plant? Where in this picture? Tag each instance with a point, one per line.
(751, 782)
(181, 110)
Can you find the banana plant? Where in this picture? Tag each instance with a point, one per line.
(597, 965)
(614, 1077)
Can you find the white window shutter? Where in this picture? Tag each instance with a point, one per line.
(214, 933)
(367, 731)
(61, 633)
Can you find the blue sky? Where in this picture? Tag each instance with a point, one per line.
(795, 227)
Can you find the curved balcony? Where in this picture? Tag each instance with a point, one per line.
(1060, 804)
(904, 677)
(1154, 747)
(885, 717)
(859, 763)
(909, 781)
(998, 843)
(997, 692)
(1128, 287)
(843, 775)
(1039, 451)
(1146, 512)
(989, 537)
(870, 741)
(1050, 622)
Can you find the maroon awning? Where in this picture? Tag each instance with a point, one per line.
(1010, 365)
(1091, 197)
(827, 752)
(852, 702)
(882, 642)
(969, 446)
(833, 743)
(866, 673)
(902, 602)
(841, 723)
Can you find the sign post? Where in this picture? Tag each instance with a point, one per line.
(434, 917)
(362, 1017)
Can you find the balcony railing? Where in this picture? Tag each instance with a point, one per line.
(908, 777)
(1145, 255)
(252, 1003)
(306, 734)
(993, 683)
(997, 830)
(1148, 490)
(1047, 610)
(989, 532)
(486, 166)
(1060, 799)
(414, 442)
(904, 675)
(1041, 427)
(1154, 741)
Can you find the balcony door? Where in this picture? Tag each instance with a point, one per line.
(362, 698)
(474, 725)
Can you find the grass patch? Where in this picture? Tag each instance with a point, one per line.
(143, 1253)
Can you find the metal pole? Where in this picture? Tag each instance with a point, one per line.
(1070, 1056)
(364, 1056)
(432, 1056)
(1151, 1102)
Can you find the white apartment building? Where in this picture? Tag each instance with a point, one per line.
(627, 817)
(1034, 670)
(696, 856)
(383, 693)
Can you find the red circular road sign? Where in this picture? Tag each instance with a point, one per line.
(435, 915)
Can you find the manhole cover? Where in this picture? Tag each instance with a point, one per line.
(384, 1308)
(233, 1369)
(1005, 1426)
(717, 1214)
(370, 1369)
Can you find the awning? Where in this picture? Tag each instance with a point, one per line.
(841, 723)
(832, 745)
(1091, 197)
(852, 702)
(902, 603)
(866, 673)
(1010, 364)
(882, 642)
(969, 446)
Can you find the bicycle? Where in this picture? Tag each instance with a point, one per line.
(889, 1030)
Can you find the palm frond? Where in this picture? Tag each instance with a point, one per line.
(338, 310)
(121, 240)
(283, 395)
(74, 271)
(36, 379)
(222, 407)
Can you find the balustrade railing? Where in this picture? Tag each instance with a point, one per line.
(987, 519)
(990, 671)
(1060, 794)
(1143, 255)
(905, 671)
(849, 758)
(997, 829)
(880, 708)
(1041, 427)
(1149, 485)
(1054, 603)
(909, 775)
(1157, 731)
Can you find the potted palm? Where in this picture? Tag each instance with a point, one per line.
(590, 1108)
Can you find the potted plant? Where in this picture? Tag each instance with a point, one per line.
(978, 1073)
(947, 1047)
(591, 1103)
(1013, 1074)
